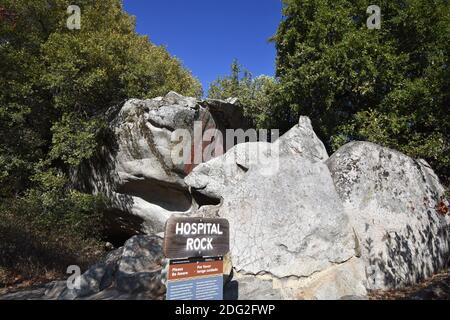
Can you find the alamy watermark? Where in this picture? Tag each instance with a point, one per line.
(74, 20)
(252, 148)
(374, 20)
(74, 281)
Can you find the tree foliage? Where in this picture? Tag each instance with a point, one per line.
(254, 94)
(55, 86)
(389, 86)
(56, 83)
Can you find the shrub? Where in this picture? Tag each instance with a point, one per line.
(254, 94)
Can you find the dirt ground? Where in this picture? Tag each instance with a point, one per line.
(435, 288)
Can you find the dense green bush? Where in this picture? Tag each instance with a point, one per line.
(254, 94)
(390, 86)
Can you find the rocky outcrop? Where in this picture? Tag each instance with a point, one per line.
(295, 237)
(285, 235)
(391, 200)
(137, 172)
(302, 140)
(302, 225)
(305, 226)
(212, 178)
(133, 271)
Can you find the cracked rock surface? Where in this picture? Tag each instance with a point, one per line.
(302, 225)
(391, 200)
(314, 227)
(136, 170)
(296, 236)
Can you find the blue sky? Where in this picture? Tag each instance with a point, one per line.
(208, 34)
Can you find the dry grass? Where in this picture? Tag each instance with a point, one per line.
(435, 288)
(30, 255)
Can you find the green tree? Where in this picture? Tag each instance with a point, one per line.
(55, 87)
(389, 86)
(56, 83)
(255, 94)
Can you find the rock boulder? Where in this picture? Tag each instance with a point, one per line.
(315, 227)
(392, 202)
(137, 172)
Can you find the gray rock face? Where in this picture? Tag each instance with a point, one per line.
(369, 222)
(212, 178)
(287, 221)
(341, 281)
(285, 237)
(302, 225)
(251, 288)
(140, 254)
(284, 228)
(391, 200)
(138, 173)
(302, 140)
(133, 269)
(140, 265)
(130, 272)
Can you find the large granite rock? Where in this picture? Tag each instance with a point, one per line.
(285, 238)
(314, 227)
(289, 230)
(136, 268)
(391, 200)
(302, 225)
(284, 228)
(302, 139)
(137, 171)
(212, 178)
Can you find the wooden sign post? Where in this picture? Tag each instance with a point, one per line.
(195, 247)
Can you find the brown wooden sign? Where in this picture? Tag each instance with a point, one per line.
(196, 237)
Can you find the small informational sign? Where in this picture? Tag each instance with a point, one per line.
(196, 237)
(195, 279)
